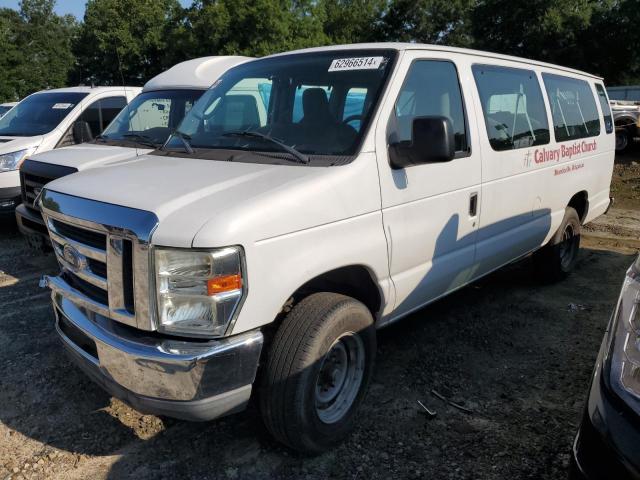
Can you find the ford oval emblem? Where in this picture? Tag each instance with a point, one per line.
(75, 260)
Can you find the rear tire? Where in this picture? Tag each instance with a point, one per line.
(557, 259)
(623, 139)
(317, 371)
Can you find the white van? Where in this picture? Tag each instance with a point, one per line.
(144, 125)
(259, 256)
(52, 119)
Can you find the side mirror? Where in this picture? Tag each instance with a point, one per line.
(432, 140)
(81, 132)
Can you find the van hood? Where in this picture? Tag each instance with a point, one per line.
(87, 155)
(209, 203)
(15, 144)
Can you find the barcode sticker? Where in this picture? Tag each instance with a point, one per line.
(359, 63)
(62, 106)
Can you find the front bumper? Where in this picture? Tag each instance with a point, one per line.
(191, 380)
(608, 442)
(10, 197)
(31, 225)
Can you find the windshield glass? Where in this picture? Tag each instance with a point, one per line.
(4, 109)
(310, 104)
(39, 113)
(151, 116)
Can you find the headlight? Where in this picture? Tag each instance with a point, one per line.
(198, 291)
(625, 353)
(12, 161)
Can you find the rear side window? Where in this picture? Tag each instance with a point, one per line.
(431, 89)
(573, 107)
(606, 109)
(101, 112)
(513, 107)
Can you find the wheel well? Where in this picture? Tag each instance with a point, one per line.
(628, 123)
(580, 202)
(354, 281)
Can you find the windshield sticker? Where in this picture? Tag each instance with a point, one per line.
(359, 63)
(62, 106)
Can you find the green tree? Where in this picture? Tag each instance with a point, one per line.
(428, 21)
(352, 21)
(10, 57)
(254, 27)
(126, 39)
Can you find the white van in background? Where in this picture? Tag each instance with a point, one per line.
(144, 125)
(52, 119)
(259, 254)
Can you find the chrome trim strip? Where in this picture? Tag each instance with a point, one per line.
(115, 282)
(86, 250)
(60, 287)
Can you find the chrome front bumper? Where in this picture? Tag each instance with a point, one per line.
(192, 380)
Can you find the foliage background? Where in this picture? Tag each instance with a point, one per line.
(40, 49)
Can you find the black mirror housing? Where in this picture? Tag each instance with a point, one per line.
(81, 132)
(432, 140)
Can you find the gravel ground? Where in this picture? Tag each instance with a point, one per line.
(517, 355)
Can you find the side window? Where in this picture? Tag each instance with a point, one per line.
(431, 88)
(111, 107)
(91, 115)
(606, 109)
(513, 107)
(354, 106)
(573, 107)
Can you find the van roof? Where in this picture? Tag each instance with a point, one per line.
(440, 48)
(88, 89)
(197, 73)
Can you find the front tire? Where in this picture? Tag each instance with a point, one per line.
(317, 371)
(622, 140)
(557, 259)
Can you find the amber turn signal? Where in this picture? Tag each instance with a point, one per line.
(224, 283)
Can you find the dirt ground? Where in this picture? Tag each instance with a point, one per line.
(517, 355)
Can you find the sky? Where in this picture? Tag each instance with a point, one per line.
(74, 7)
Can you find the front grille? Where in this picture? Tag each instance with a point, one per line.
(35, 175)
(105, 266)
(81, 235)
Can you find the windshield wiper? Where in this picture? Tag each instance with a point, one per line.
(141, 139)
(300, 157)
(183, 137)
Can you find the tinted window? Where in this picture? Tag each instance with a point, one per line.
(513, 107)
(431, 88)
(39, 113)
(354, 105)
(101, 112)
(573, 108)
(606, 109)
(151, 116)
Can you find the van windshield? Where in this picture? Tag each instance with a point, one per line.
(150, 117)
(310, 104)
(39, 113)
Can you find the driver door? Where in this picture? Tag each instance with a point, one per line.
(430, 211)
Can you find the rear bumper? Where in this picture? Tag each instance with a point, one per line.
(10, 197)
(191, 380)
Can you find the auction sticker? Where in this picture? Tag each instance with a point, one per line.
(62, 106)
(358, 63)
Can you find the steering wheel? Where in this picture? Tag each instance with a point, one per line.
(352, 118)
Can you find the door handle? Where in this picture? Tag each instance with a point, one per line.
(473, 204)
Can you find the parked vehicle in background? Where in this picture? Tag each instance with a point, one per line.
(258, 253)
(608, 442)
(625, 104)
(5, 107)
(52, 119)
(142, 126)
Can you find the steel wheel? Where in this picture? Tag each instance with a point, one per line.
(340, 377)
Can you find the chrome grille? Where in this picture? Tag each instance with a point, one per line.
(106, 267)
